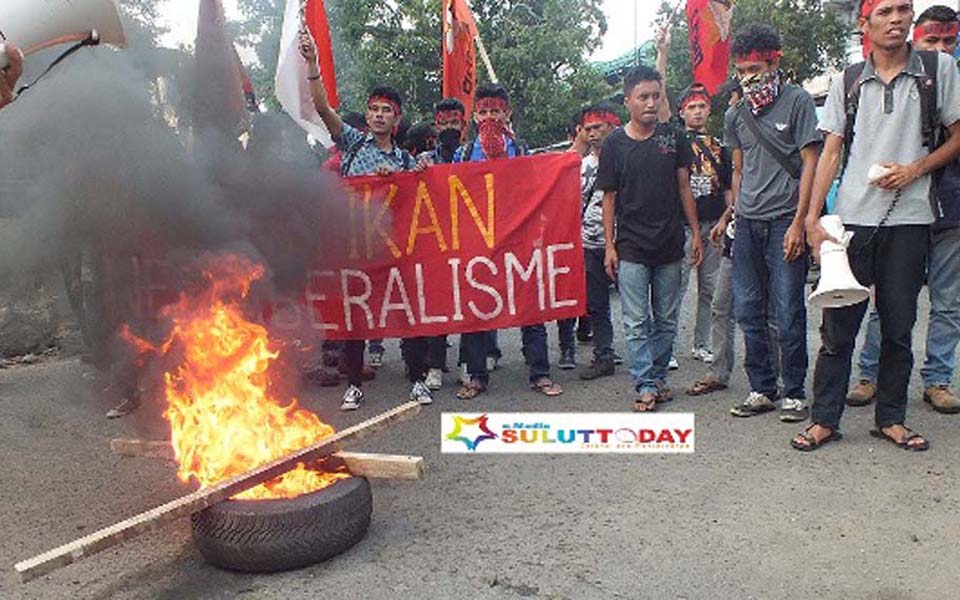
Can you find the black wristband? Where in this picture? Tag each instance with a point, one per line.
(314, 78)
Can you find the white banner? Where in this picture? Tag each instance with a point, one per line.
(567, 433)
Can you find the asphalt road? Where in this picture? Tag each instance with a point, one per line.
(745, 517)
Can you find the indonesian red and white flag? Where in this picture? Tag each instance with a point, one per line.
(459, 52)
(292, 87)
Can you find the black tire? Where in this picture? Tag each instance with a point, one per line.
(265, 536)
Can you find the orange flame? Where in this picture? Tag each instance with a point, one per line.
(223, 419)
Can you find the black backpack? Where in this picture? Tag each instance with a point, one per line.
(931, 130)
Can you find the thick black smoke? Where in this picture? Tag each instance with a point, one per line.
(98, 152)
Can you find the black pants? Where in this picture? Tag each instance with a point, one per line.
(598, 303)
(894, 261)
(437, 352)
(414, 354)
(415, 351)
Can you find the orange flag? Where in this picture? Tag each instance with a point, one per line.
(459, 52)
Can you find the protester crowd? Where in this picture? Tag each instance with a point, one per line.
(664, 202)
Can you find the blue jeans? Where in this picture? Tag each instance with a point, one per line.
(943, 331)
(648, 297)
(566, 331)
(761, 274)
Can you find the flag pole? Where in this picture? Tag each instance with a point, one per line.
(486, 59)
(483, 50)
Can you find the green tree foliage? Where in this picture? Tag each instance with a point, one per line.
(538, 49)
(814, 40)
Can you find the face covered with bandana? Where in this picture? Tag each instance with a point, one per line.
(449, 125)
(491, 116)
(760, 78)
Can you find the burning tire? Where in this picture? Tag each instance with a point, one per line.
(263, 536)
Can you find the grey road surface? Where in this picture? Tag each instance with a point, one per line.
(745, 517)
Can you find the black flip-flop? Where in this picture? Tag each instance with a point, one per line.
(812, 443)
(905, 444)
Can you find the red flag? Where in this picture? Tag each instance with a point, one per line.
(315, 15)
(709, 22)
(459, 52)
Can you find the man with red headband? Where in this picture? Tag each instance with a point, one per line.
(367, 153)
(596, 123)
(881, 124)
(935, 31)
(710, 183)
(773, 137)
(495, 139)
(449, 121)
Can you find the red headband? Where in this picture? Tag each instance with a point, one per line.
(694, 96)
(607, 117)
(936, 28)
(385, 100)
(448, 115)
(867, 7)
(760, 56)
(491, 104)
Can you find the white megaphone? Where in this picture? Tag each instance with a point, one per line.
(37, 24)
(838, 287)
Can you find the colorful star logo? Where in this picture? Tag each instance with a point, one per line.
(480, 423)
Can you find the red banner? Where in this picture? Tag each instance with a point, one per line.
(455, 249)
(709, 22)
(459, 52)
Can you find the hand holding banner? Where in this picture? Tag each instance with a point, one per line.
(455, 249)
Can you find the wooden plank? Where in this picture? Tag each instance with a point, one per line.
(142, 448)
(181, 507)
(383, 466)
(373, 466)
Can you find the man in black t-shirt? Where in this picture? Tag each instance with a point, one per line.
(645, 177)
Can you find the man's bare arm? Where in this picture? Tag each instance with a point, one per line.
(317, 92)
(827, 167)
(611, 259)
(663, 59)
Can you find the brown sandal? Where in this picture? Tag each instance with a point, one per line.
(806, 442)
(706, 386)
(908, 436)
(547, 387)
(471, 390)
(645, 403)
